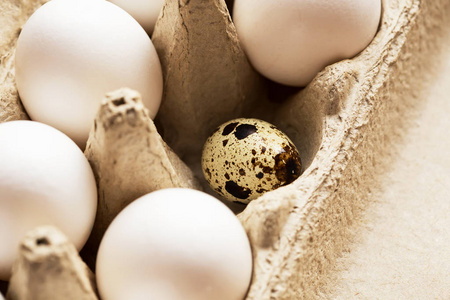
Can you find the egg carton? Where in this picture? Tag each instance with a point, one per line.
(344, 123)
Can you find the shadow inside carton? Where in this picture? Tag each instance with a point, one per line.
(230, 4)
(3, 287)
(279, 93)
(292, 110)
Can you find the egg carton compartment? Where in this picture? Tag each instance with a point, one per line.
(343, 124)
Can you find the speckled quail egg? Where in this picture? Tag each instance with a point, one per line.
(244, 158)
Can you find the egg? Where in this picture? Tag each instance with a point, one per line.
(244, 158)
(45, 179)
(146, 12)
(174, 244)
(291, 41)
(70, 53)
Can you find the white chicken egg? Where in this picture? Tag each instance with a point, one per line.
(291, 41)
(174, 244)
(45, 179)
(146, 12)
(70, 53)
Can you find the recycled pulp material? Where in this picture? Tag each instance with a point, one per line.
(343, 123)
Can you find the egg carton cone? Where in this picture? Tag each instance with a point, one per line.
(129, 159)
(344, 124)
(208, 79)
(48, 267)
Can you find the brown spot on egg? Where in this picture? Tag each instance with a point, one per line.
(267, 169)
(260, 175)
(229, 128)
(261, 191)
(253, 151)
(208, 172)
(263, 150)
(224, 142)
(244, 130)
(241, 172)
(227, 176)
(287, 165)
(237, 191)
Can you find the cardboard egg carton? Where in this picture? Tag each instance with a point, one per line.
(343, 123)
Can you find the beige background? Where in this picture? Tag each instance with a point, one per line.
(402, 247)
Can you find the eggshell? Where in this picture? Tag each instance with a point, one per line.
(71, 52)
(244, 158)
(291, 41)
(44, 180)
(174, 244)
(146, 12)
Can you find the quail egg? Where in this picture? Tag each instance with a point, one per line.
(244, 158)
